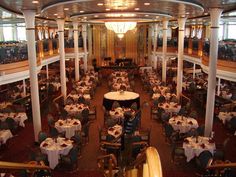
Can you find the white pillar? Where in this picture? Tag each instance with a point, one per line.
(215, 14)
(181, 22)
(150, 58)
(47, 75)
(218, 88)
(60, 24)
(24, 88)
(14, 32)
(164, 50)
(29, 16)
(84, 33)
(194, 70)
(155, 26)
(76, 49)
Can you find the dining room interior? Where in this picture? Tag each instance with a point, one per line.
(118, 88)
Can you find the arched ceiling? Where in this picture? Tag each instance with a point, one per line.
(107, 10)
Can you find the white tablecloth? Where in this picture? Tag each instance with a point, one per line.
(4, 104)
(183, 124)
(18, 117)
(73, 109)
(226, 116)
(54, 148)
(193, 148)
(69, 126)
(170, 107)
(5, 135)
(166, 95)
(76, 96)
(115, 131)
(126, 95)
(119, 112)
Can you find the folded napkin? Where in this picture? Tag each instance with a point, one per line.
(63, 145)
(116, 132)
(71, 108)
(75, 123)
(176, 106)
(111, 129)
(179, 122)
(203, 146)
(186, 141)
(211, 141)
(116, 113)
(60, 123)
(45, 144)
(167, 106)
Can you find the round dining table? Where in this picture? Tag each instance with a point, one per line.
(124, 98)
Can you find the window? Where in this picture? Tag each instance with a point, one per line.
(7, 32)
(21, 31)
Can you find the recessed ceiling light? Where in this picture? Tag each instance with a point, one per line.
(37, 15)
(96, 16)
(35, 2)
(108, 9)
(146, 3)
(146, 15)
(81, 11)
(205, 13)
(66, 8)
(136, 9)
(157, 16)
(100, 4)
(187, 13)
(55, 14)
(85, 17)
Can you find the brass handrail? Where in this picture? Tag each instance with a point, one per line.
(151, 159)
(22, 166)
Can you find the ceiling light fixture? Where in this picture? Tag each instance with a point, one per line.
(120, 28)
(108, 9)
(146, 3)
(136, 8)
(66, 8)
(81, 11)
(100, 4)
(35, 2)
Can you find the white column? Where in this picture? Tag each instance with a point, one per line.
(29, 16)
(84, 33)
(218, 88)
(155, 26)
(181, 22)
(47, 75)
(215, 14)
(76, 49)
(194, 70)
(149, 45)
(60, 24)
(164, 50)
(24, 88)
(90, 43)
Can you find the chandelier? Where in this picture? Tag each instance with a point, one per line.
(120, 28)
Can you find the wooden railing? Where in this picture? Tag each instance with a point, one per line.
(31, 167)
(112, 164)
(148, 163)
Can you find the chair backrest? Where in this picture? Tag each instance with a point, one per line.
(42, 136)
(73, 154)
(115, 105)
(168, 129)
(203, 159)
(134, 106)
(85, 112)
(81, 99)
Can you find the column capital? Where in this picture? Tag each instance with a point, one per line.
(181, 22)
(165, 24)
(75, 24)
(215, 14)
(84, 27)
(60, 24)
(29, 16)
